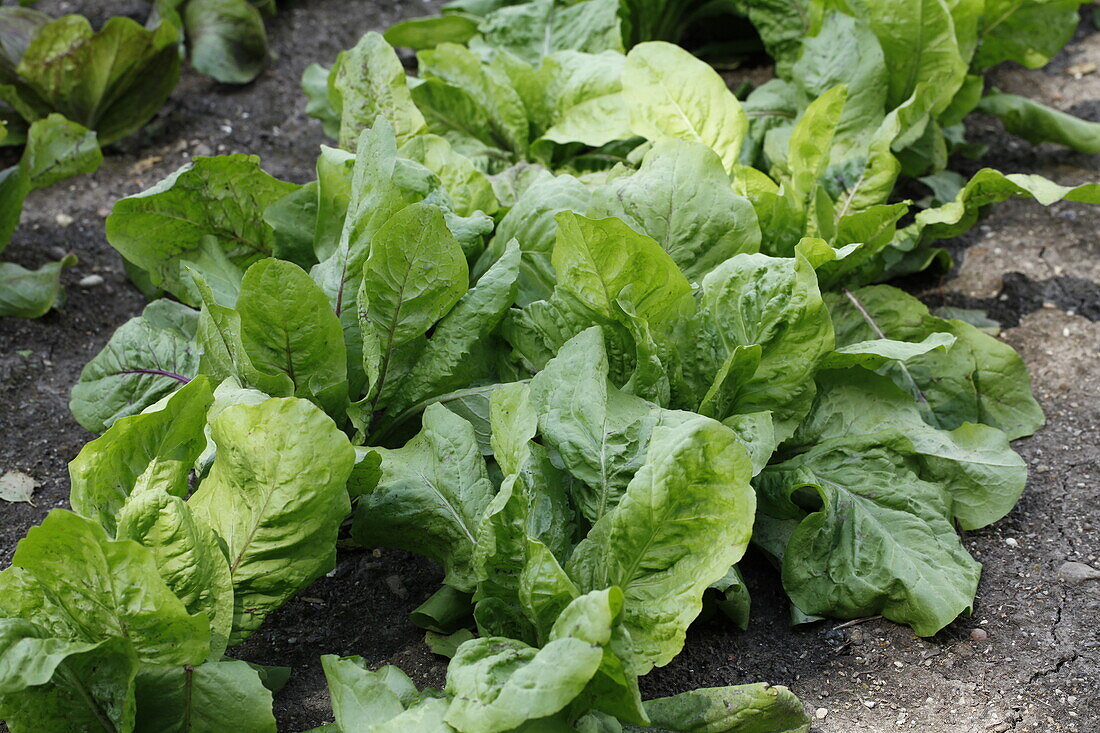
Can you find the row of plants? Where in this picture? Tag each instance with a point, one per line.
(573, 322)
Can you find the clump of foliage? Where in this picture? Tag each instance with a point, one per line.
(56, 149)
(111, 81)
(226, 39)
(579, 326)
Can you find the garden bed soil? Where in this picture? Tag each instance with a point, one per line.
(1027, 660)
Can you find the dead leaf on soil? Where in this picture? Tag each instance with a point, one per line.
(145, 165)
(17, 486)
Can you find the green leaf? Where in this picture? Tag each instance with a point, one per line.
(1029, 32)
(211, 697)
(431, 496)
(276, 495)
(288, 327)
(220, 337)
(69, 578)
(973, 463)
(457, 353)
(468, 187)
(382, 701)
(535, 29)
(600, 434)
(978, 380)
(597, 259)
(415, 274)
(147, 358)
(877, 538)
(221, 198)
(932, 55)
(112, 81)
(187, 552)
(369, 83)
(1038, 123)
(681, 197)
(58, 149)
(421, 33)
(684, 519)
(226, 38)
(755, 708)
(756, 340)
(532, 222)
(497, 684)
(31, 293)
(58, 686)
(672, 94)
(151, 450)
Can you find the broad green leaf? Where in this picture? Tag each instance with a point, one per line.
(532, 222)
(974, 463)
(878, 352)
(978, 380)
(431, 496)
(535, 29)
(288, 327)
(468, 187)
(147, 358)
(209, 698)
(58, 149)
(874, 538)
(458, 351)
(497, 684)
(112, 81)
(756, 340)
(421, 33)
(596, 259)
(373, 198)
(188, 555)
(754, 708)
(931, 54)
(32, 293)
(151, 450)
(487, 87)
(600, 434)
(276, 495)
(220, 337)
(684, 519)
(53, 685)
(672, 94)
(811, 140)
(680, 196)
(68, 577)
(369, 82)
(222, 198)
(363, 700)
(1038, 123)
(1029, 32)
(226, 39)
(846, 52)
(415, 274)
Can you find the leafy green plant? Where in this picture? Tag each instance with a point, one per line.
(579, 326)
(226, 39)
(56, 149)
(111, 81)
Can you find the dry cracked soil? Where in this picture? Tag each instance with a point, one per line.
(1028, 659)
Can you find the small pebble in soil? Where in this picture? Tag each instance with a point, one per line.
(1011, 542)
(57, 252)
(1077, 572)
(821, 713)
(63, 220)
(203, 149)
(90, 281)
(978, 634)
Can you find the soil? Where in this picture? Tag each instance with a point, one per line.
(1034, 269)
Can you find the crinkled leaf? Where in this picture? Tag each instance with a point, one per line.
(276, 495)
(151, 450)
